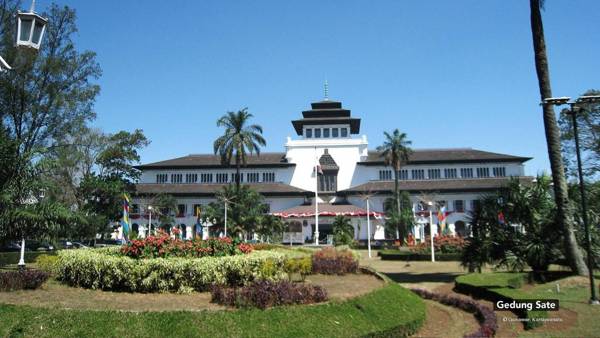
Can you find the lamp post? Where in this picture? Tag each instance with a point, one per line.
(430, 204)
(575, 108)
(30, 31)
(149, 221)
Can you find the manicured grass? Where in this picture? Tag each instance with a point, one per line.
(388, 311)
(573, 296)
(500, 286)
(9, 258)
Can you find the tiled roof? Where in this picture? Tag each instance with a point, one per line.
(457, 185)
(214, 161)
(461, 155)
(269, 189)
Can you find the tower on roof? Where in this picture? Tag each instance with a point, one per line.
(326, 119)
(326, 98)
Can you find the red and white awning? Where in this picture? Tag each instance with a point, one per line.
(326, 209)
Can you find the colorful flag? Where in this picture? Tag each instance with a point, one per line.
(442, 218)
(317, 169)
(501, 218)
(125, 223)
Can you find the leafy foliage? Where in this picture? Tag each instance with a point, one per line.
(265, 294)
(343, 231)
(164, 246)
(399, 223)
(238, 140)
(334, 262)
(27, 279)
(107, 269)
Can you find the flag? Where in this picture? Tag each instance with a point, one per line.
(317, 169)
(501, 218)
(442, 218)
(125, 223)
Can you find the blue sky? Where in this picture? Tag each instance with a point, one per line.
(448, 73)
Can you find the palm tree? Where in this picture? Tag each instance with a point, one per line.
(395, 151)
(239, 140)
(564, 220)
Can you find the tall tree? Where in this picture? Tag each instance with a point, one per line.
(564, 220)
(239, 139)
(395, 150)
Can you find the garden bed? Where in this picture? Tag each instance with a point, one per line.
(387, 311)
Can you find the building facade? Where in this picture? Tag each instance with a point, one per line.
(329, 158)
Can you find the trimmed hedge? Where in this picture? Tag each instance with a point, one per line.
(485, 316)
(396, 255)
(28, 279)
(390, 311)
(500, 286)
(107, 270)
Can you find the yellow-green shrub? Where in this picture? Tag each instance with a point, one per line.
(104, 269)
(301, 266)
(46, 263)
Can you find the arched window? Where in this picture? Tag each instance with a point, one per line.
(183, 229)
(460, 229)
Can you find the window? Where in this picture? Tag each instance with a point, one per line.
(434, 174)
(161, 178)
(344, 132)
(418, 174)
(197, 210)
(325, 132)
(222, 178)
(317, 132)
(309, 133)
(135, 209)
(335, 132)
(252, 177)
(499, 171)
(180, 210)
(459, 206)
(176, 178)
(268, 177)
(475, 204)
(450, 172)
(234, 175)
(466, 172)
(191, 178)
(328, 182)
(385, 175)
(403, 174)
(440, 204)
(206, 178)
(483, 172)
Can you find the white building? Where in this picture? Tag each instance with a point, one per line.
(451, 177)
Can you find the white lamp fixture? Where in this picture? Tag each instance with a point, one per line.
(4, 65)
(30, 28)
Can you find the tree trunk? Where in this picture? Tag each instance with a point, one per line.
(397, 194)
(237, 175)
(564, 220)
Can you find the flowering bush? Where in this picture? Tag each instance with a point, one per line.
(263, 294)
(164, 246)
(108, 269)
(26, 279)
(444, 244)
(331, 261)
(485, 315)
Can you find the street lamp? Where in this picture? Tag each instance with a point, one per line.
(430, 204)
(30, 28)
(149, 221)
(30, 31)
(575, 108)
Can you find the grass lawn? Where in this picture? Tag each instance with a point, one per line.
(390, 311)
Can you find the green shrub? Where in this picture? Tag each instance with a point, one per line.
(7, 258)
(46, 263)
(106, 269)
(300, 266)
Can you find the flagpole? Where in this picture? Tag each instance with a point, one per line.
(368, 228)
(316, 169)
